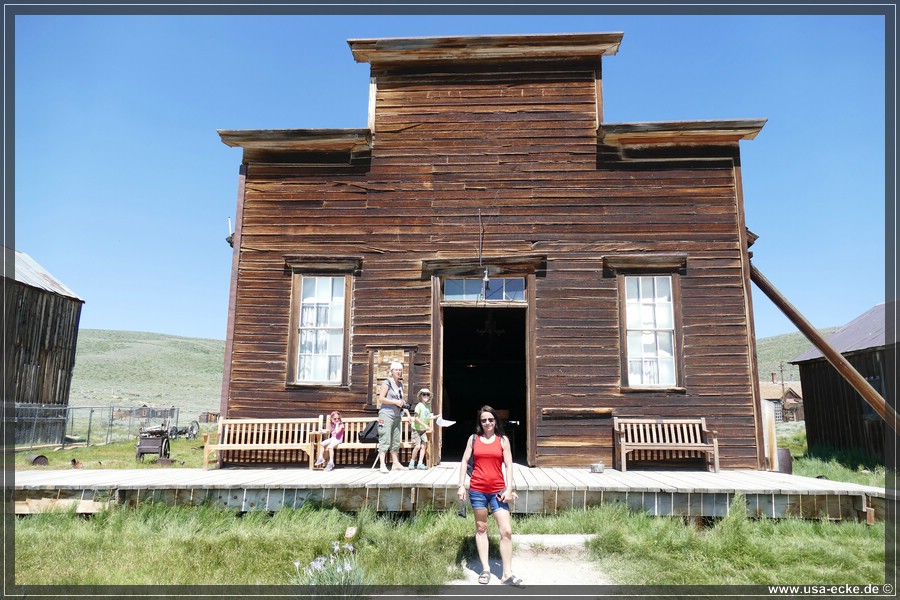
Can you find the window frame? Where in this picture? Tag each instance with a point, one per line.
(304, 267)
(673, 266)
(481, 300)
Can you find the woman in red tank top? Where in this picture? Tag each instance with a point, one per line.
(491, 485)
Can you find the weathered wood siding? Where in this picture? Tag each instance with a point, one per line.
(521, 144)
(41, 338)
(836, 415)
(315, 208)
(41, 335)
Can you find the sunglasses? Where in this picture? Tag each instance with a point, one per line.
(487, 420)
(426, 395)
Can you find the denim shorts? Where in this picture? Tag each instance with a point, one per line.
(484, 499)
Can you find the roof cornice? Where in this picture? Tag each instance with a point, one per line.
(680, 132)
(484, 48)
(299, 140)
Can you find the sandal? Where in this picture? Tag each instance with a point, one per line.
(484, 578)
(513, 581)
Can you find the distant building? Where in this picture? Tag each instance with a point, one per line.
(39, 355)
(836, 415)
(786, 398)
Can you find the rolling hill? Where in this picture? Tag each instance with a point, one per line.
(128, 369)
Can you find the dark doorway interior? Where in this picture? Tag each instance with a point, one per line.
(484, 363)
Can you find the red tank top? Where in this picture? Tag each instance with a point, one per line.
(487, 476)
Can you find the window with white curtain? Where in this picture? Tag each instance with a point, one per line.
(650, 331)
(320, 329)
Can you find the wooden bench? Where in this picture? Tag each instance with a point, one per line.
(664, 439)
(263, 440)
(354, 426)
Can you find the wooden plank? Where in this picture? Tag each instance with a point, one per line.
(675, 483)
(614, 480)
(637, 481)
(568, 495)
(559, 412)
(587, 485)
(694, 493)
(584, 478)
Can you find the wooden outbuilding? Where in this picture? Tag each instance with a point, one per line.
(786, 398)
(42, 316)
(836, 415)
(493, 233)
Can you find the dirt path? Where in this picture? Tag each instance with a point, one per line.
(542, 560)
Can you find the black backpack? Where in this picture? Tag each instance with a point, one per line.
(370, 433)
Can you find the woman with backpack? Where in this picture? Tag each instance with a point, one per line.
(393, 406)
(490, 486)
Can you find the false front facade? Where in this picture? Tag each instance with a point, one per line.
(510, 248)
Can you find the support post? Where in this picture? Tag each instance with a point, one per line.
(843, 366)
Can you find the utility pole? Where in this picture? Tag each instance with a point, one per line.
(781, 369)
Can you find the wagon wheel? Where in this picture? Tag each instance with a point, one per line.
(193, 430)
(173, 432)
(164, 448)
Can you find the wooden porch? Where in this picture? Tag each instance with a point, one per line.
(541, 490)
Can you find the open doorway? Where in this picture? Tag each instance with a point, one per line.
(484, 362)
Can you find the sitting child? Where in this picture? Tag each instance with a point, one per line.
(335, 433)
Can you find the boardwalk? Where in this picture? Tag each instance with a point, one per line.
(540, 490)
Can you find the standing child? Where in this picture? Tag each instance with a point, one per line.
(421, 427)
(335, 433)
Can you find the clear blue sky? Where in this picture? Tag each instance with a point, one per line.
(123, 187)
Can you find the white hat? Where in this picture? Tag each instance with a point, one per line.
(424, 391)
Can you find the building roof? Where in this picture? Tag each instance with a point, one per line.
(299, 140)
(862, 333)
(30, 273)
(472, 48)
(681, 132)
(772, 391)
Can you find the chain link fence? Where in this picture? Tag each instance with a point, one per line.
(89, 425)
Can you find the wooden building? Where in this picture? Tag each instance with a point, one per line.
(786, 398)
(41, 319)
(836, 415)
(492, 232)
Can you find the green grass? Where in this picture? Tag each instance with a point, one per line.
(119, 455)
(838, 465)
(645, 550)
(204, 545)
